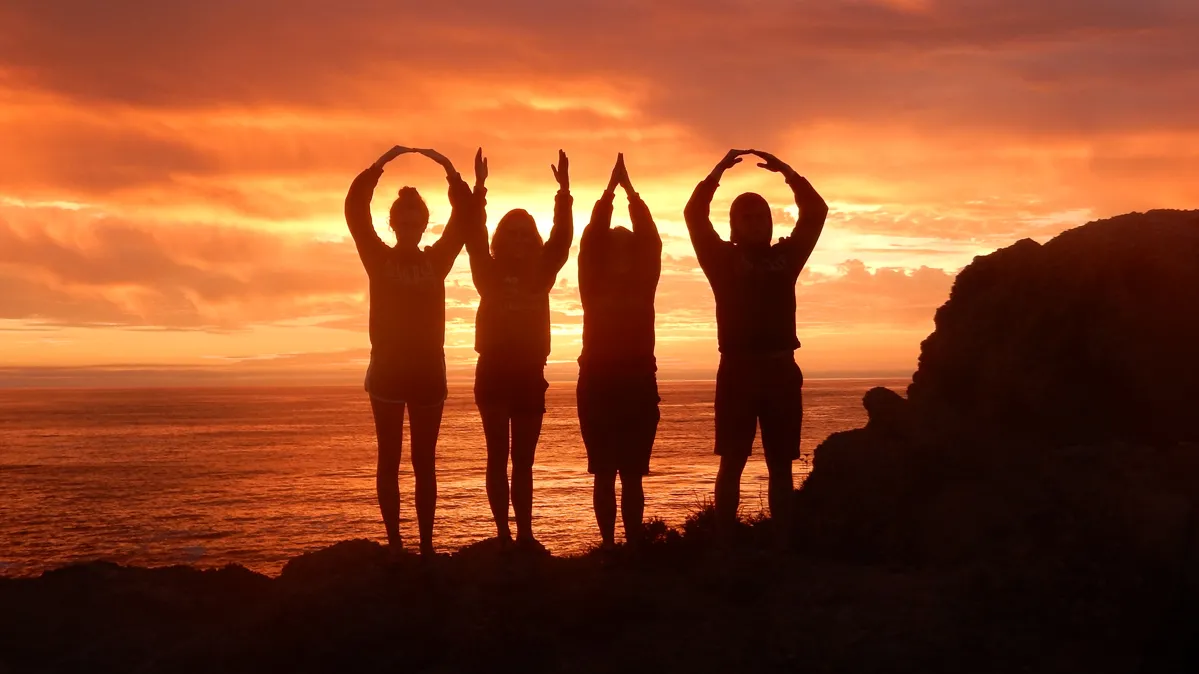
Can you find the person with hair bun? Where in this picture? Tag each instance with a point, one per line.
(407, 332)
(512, 337)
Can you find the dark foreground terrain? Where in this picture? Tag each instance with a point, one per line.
(686, 604)
(1029, 506)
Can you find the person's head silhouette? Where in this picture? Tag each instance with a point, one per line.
(409, 217)
(622, 247)
(750, 221)
(516, 238)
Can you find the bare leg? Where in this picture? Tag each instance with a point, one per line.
(728, 488)
(526, 431)
(603, 498)
(632, 507)
(425, 423)
(389, 429)
(781, 487)
(495, 430)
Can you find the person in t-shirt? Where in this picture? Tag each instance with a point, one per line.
(512, 337)
(407, 332)
(618, 389)
(758, 381)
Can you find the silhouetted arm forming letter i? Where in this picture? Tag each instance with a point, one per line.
(557, 248)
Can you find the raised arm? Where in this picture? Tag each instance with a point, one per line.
(358, 209)
(481, 262)
(708, 244)
(601, 213)
(591, 254)
(557, 248)
(643, 222)
(812, 212)
(445, 250)
(463, 214)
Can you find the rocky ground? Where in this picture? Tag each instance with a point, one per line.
(684, 605)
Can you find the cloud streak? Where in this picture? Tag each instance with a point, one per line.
(181, 166)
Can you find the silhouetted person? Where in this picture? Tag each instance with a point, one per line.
(407, 332)
(512, 337)
(758, 381)
(618, 387)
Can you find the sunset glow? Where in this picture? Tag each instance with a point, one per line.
(172, 174)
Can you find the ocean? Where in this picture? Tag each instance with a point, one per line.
(254, 476)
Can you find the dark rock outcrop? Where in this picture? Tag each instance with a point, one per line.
(1049, 436)
(1092, 336)
(888, 412)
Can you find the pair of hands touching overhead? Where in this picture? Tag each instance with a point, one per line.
(431, 154)
(459, 192)
(620, 176)
(561, 170)
(769, 162)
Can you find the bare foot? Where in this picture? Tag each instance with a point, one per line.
(635, 539)
(530, 545)
(395, 550)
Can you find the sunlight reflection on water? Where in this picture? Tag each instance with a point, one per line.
(257, 475)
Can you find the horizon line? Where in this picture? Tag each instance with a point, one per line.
(99, 383)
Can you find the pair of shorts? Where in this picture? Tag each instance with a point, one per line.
(419, 382)
(517, 387)
(618, 418)
(759, 389)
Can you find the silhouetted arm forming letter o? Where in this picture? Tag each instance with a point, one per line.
(812, 213)
(358, 217)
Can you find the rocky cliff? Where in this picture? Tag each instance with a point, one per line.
(1092, 336)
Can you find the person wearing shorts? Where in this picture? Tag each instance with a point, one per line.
(618, 389)
(758, 381)
(759, 390)
(510, 388)
(407, 333)
(512, 337)
(407, 381)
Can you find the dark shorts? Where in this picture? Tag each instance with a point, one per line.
(518, 388)
(618, 417)
(418, 382)
(753, 390)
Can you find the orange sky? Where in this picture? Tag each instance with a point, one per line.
(171, 174)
